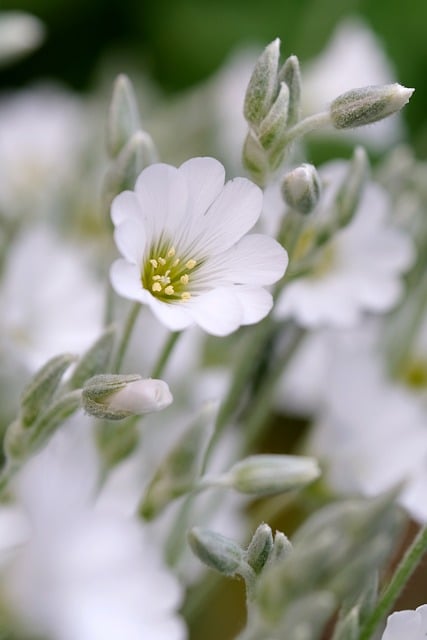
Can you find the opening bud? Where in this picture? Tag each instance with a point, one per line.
(260, 548)
(269, 474)
(114, 397)
(263, 85)
(358, 107)
(301, 188)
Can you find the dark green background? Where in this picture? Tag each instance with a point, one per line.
(179, 42)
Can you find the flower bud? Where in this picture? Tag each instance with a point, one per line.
(115, 397)
(269, 474)
(272, 128)
(301, 188)
(282, 547)
(123, 117)
(263, 85)
(254, 159)
(216, 551)
(41, 389)
(260, 548)
(291, 74)
(362, 106)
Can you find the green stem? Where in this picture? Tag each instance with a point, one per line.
(316, 121)
(243, 370)
(127, 332)
(407, 566)
(260, 409)
(168, 347)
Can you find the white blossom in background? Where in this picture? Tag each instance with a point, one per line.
(186, 255)
(51, 302)
(371, 432)
(42, 133)
(20, 33)
(354, 57)
(408, 624)
(360, 268)
(85, 571)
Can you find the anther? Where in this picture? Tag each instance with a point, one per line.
(184, 279)
(169, 290)
(171, 252)
(154, 263)
(162, 261)
(156, 287)
(190, 264)
(186, 295)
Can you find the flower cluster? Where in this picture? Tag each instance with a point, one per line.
(260, 354)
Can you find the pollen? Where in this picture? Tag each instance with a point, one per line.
(167, 275)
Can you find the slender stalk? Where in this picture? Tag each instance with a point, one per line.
(168, 347)
(261, 408)
(127, 333)
(407, 566)
(316, 121)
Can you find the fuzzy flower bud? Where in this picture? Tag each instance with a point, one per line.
(260, 548)
(301, 188)
(216, 551)
(362, 106)
(263, 85)
(115, 397)
(123, 117)
(268, 474)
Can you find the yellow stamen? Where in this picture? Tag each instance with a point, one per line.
(184, 279)
(186, 295)
(176, 262)
(154, 263)
(156, 286)
(190, 264)
(169, 290)
(162, 261)
(171, 252)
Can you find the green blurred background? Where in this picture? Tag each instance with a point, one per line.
(180, 42)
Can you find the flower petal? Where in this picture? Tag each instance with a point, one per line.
(232, 214)
(256, 259)
(174, 316)
(163, 197)
(131, 240)
(125, 206)
(126, 281)
(205, 178)
(255, 302)
(218, 311)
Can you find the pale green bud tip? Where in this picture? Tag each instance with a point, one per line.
(115, 397)
(301, 188)
(362, 106)
(269, 474)
(216, 551)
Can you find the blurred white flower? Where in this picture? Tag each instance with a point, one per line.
(353, 57)
(50, 300)
(371, 432)
(85, 572)
(42, 131)
(361, 266)
(409, 624)
(20, 33)
(186, 255)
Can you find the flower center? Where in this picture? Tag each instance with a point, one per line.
(415, 374)
(167, 276)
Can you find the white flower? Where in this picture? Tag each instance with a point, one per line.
(50, 301)
(182, 235)
(409, 624)
(85, 572)
(42, 132)
(371, 432)
(19, 33)
(361, 266)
